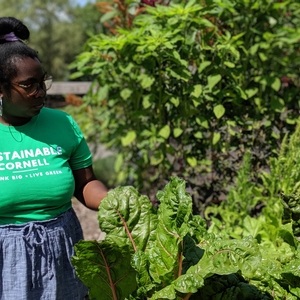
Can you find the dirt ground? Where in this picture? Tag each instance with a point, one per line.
(88, 220)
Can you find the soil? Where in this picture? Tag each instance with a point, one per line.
(89, 221)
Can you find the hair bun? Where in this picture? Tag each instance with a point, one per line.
(11, 24)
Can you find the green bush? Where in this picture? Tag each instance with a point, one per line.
(191, 88)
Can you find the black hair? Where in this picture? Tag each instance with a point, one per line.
(9, 51)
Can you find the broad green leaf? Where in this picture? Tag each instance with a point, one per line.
(235, 52)
(181, 74)
(241, 92)
(196, 103)
(219, 111)
(276, 85)
(174, 214)
(177, 132)
(198, 135)
(165, 132)
(76, 75)
(105, 269)
(188, 283)
(251, 92)
(280, 5)
(277, 104)
(146, 133)
(146, 101)
(212, 80)
(175, 101)
(251, 226)
(127, 69)
(102, 93)
(216, 138)
(229, 64)
(127, 218)
(203, 65)
(108, 16)
(192, 161)
(129, 138)
(197, 90)
(119, 162)
(254, 49)
(146, 81)
(226, 256)
(178, 58)
(202, 121)
(140, 264)
(126, 93)
(156, 159)
(262, 56)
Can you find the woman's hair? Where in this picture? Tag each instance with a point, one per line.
(10, 50)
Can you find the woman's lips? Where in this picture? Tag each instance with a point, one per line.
(39, 106)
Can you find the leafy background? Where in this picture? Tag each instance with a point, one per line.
(187, 89)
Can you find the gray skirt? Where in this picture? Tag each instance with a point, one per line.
(35, 260)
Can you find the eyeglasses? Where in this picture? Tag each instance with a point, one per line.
(33, 88)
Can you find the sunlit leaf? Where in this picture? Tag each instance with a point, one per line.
(216, 138)
(219, 111)
(192, 161)
(203, 65)
(212, 80)
(129, 138)
(175, 101)
(276, 85)
(126, 93)
(197, 90)
(177, 132)
(119, 162)
(165, 131)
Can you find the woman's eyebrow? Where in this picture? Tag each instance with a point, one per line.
(34, 78)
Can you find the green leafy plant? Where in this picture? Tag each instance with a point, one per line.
(167, 253)
(280, 181)
(190, 88)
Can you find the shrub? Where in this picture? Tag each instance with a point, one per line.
(190, 88)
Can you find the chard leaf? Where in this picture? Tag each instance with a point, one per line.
(175, 209)
(140, 264)
(105, 269)
(293, 267)
(127, 218)
(224, 256)
(174, 213)
(188, 283)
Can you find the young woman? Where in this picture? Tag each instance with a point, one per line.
(44, 161)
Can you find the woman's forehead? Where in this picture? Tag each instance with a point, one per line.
(28, 68)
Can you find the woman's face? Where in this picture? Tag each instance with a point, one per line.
(16, 101)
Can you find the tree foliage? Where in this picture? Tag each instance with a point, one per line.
(58, 29)
(191, 87)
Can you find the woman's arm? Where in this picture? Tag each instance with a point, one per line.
(88, 190)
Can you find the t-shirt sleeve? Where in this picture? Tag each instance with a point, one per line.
(81, 156)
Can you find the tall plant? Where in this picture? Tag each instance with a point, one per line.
(190, 87)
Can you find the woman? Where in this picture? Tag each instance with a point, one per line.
(44, 161)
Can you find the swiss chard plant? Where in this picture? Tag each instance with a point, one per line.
(168, 253)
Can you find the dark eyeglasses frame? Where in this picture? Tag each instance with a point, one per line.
(47, 83)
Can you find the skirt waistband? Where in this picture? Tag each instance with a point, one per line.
(47, 224)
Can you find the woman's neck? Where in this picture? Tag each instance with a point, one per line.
(14, 121)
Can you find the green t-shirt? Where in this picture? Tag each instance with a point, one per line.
(36, 163)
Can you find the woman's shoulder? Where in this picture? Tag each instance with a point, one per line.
(55, 115)
(58, 121)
